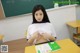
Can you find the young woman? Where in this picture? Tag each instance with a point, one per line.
(41, 30)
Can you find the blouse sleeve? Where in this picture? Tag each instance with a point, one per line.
(28, 33)
(53, 31)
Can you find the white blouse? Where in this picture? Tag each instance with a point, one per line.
(41, 28)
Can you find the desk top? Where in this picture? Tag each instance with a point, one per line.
(67, 46)
(74, 23)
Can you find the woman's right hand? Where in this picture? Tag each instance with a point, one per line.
(37, 36)
(34, 36)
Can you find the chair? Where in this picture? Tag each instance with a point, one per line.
(1, 39)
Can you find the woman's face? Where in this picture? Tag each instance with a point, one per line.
(39, 15)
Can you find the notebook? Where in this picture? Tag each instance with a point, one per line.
(47, 47)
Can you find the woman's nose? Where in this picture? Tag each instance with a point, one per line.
(38, 16)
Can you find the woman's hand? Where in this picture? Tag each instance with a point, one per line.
(31, 40)
(48, 37)
(38, 36)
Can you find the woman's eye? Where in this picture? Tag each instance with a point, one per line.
(36, 14)
(40, 14)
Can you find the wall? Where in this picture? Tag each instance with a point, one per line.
(78, 12)
(14, 27)
(59, 18)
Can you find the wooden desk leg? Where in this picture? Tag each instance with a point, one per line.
(77, 30)
(75, 39)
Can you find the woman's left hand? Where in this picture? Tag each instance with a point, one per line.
(45, 35)
(48, 36)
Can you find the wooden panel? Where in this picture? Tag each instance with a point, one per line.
(16, 46)
(1, 11)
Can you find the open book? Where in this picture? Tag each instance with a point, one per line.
(47, 47)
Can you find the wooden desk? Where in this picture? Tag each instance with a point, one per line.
(67, 46)
(76, 25)
(16, 46)
(76, 37)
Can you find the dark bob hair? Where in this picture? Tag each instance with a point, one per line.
(45, 18)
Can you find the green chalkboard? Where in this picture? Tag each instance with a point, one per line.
(18, 7)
